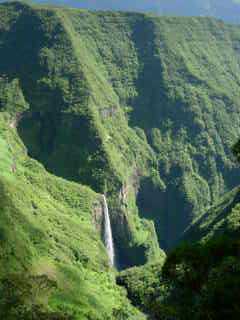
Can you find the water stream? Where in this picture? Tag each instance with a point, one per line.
(108, 239)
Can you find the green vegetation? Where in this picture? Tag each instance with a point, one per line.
(200, 278)
(227, 10)
(221, 218)
(145, 286)
(129, 104)
(47, 230)
(21, 296)
(159, 72)
(205, 278)
(141, 108)
(67, 126)
(197, 281)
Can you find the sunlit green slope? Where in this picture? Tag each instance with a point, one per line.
(47, 228)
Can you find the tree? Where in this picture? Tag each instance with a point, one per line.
(205, 280)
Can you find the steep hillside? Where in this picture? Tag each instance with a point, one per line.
(177, 82)
(225, 9)
(144, 109)
(222, 218)
(200, 277)
(51, 227)
(63, 126)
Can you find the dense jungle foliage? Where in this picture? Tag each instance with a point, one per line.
(199, 281)
(200, 278)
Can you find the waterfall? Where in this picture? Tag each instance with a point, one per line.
(108, 239)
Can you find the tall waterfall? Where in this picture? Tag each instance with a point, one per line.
(108, 239)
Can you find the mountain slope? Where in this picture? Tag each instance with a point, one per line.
(225, 9)
(47, 229)
(62, 126)
(223, 218)
(144, 109)
(182, 92)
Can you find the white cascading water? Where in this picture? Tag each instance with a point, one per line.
(108, 239)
